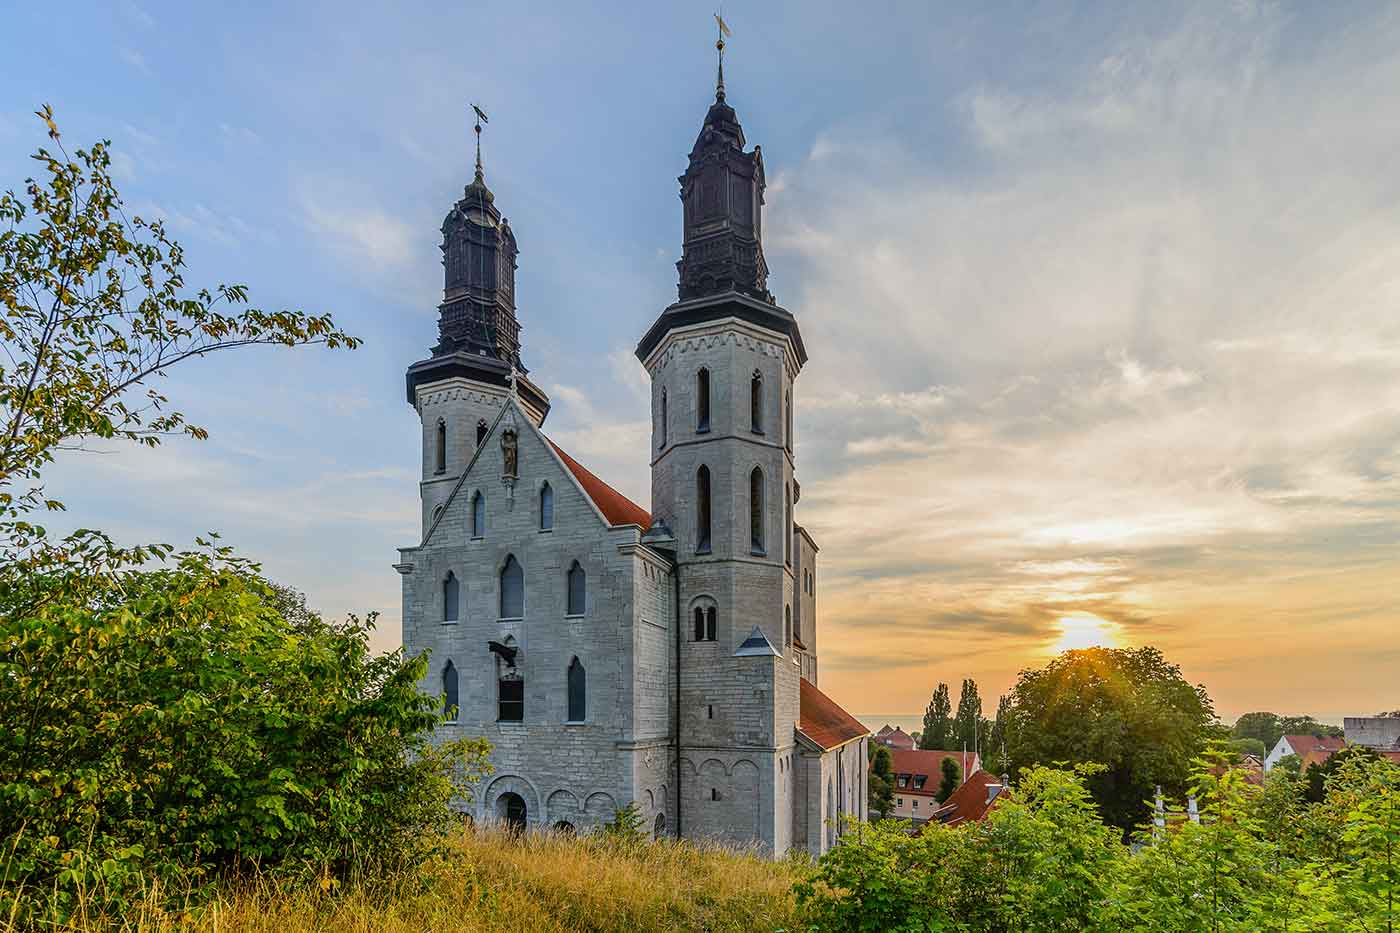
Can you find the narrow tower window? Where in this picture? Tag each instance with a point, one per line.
(699, 623)
(664, 419)
(451, 593)
(756, 402)
(478, 515)
(702, 509)
(449, 692)
(480, 432)
(577, 590)
(440, 456)
(787, 524)
(578, 692)
(546, 507)
(710, 624)
(756, 511)
(787, 628)
(788, 424)
(702, 400)
(512, 589)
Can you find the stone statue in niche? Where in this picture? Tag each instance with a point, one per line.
(511, 453)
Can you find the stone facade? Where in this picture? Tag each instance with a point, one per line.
(694, 652)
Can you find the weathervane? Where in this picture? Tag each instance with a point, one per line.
(719, 47)
(480, 119)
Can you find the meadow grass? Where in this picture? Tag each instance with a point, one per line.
(495, 881)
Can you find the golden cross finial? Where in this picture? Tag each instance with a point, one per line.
(719, 47)
(480, 119)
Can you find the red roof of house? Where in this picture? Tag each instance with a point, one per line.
(823, 721)
(969, 801)
(929, 763)
(1302, 744)
(616, 508)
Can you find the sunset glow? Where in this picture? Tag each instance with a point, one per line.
(1084, 631)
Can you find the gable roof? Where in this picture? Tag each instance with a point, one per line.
(969, 801)
(929, 763)
(616, 508)
(823, 722)
(1303, 744)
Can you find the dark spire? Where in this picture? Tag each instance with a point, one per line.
(477, 313)
(722, 194)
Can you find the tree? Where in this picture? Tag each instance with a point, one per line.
(967, 724)
(93, 309)
(952, 777)
(1127, 709)
(1249, 747)
(1267, 728)
(881, 795)
(1317, 775)
(938, 724)
(1289, 764)
(1306, 725)
(996, 752)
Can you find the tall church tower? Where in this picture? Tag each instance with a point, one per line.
(461, 387)
(722, 361)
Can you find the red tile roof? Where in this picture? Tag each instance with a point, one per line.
(823, 721)
(895, 738)
(616, 508)
(969, 802)
(928, 762)
(1302, 744)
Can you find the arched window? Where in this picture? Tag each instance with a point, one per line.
(702, 509)
(756, 402)
(512, 589)
(578, 590)
(797, 623)
(756, 511)
(664, 419)
(546, 507)
(705, 622)
(578, 692)
(564, 828)
(788, 416)
(449, 692)
(787, 523)
(787, 628)
(478, 515)
(440, 459)
(512, 808)
(658, 829)
(480, 431)
(451, 593)
(702, 400)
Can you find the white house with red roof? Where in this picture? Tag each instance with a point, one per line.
(918, 775)
(1311, 749)
(613, 653)
(894, 737)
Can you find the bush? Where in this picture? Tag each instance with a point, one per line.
(168, 726)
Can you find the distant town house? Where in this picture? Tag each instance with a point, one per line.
(894, 737)
(1310, 749)
(918, 773)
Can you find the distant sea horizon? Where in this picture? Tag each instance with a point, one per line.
(876, 721)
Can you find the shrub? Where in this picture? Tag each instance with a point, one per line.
(175, 724)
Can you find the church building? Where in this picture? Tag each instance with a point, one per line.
(613, 653)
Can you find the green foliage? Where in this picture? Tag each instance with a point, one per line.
(93, 307)
(1128, 709)
(938, 722)
(881, 781)
(1317, 775)
(952, 777)
(1249, 746)
(1288, 764)
(626, 826)
(174, 724)
(967, 724)
(1040, 861)
(1260, 859)
(1306, 725)
(1266, 728)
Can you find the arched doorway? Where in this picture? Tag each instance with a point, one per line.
(659, 829)
(511, 808)
(564, 828)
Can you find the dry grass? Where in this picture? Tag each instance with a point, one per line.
(535, 883)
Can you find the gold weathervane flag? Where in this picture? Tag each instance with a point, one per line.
(723, 26)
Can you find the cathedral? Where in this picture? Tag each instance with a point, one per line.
(614, 654)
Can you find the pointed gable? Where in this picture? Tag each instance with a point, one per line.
(823, 722)
(616, 508)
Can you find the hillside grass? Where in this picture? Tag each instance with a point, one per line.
(494, 881)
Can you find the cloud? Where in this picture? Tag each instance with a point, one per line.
(367, 234)
(1156, 319)
(135, 59)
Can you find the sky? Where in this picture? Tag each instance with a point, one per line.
(1102, 304)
